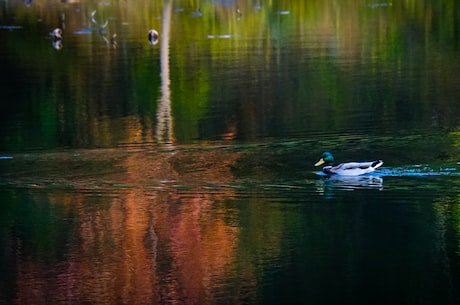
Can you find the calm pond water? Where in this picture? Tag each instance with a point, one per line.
(180, 171)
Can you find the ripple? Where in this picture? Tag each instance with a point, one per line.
(418, 171)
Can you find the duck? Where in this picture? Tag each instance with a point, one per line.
(56, 34)
(348, 168)
(153, 37)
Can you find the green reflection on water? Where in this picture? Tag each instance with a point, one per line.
(278, 69)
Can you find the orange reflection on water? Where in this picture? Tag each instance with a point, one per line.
(118, 251)
(141, 245)
(202, 247)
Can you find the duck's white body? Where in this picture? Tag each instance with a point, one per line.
(352, 168)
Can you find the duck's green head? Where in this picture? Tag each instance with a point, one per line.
(326, 158)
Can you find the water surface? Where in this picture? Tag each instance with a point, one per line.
(181, 171)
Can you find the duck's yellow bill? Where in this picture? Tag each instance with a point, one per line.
(321, 161)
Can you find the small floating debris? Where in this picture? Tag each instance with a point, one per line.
(84, 31)
(377, 5)
(10, 27)
(223, 36)
(283, 12)
(6, 157)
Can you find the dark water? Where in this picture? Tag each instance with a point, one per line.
(181, 171)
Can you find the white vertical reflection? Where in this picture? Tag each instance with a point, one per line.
(165, 132)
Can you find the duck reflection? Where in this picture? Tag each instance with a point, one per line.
(57, 44)
(327, 184)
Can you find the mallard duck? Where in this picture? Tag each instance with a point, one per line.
(347, 169)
